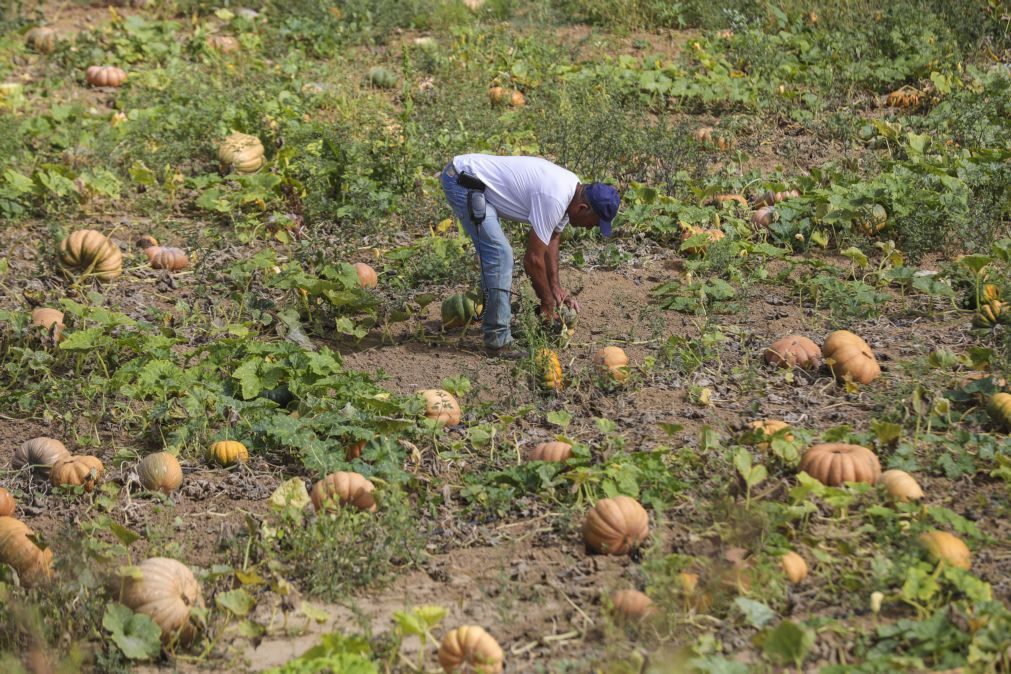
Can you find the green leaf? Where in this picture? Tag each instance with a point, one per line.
(819, 237)
(669, 428)
(135, 634)
(559, 418)
(856, 256)
(788, 643)
(125, 536)
(290, 494)
(82, 340)
(755, 612)
(409, 623)
(975, 263)
(238, 602)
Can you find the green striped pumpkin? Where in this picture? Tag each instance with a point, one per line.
(459, 310)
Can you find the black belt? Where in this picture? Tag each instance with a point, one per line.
(464, 179)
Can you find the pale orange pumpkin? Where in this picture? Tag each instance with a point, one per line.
(345, 488)
(441, 406)
(470, 650)
(720, 199)
(7, 503)
(19, 550)
(712, 236)
(160, 472)
(367, 277)
(763, 429)
(498, 95)
(42, 39)
(50, 319)
(947, 548)
(794, 351)
(167, 257)
(794, 567)
(77, 471)
(228, 452)
(39, 453)
(551, 451)
(616, 525)
(105, 76)
(611, 362)
(145, 241)
(850, 358)
(166, 591)
(764, 216)
(240, 152)
(900, 485)
(707, 136)
(631, 605)
(90, 251)
(836, 463)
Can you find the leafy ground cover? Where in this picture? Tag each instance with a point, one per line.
(898, 231)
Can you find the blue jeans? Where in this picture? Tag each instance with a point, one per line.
(496, 255)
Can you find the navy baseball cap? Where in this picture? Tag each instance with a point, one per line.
(604, 201)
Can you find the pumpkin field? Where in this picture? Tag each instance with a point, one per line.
(247, 421)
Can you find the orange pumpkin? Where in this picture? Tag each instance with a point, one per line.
(166, 591)
(167, 257)
(441, 406)
(354, 451)
(160, 472)
(90, 251)
(39, 453)
(145, 241)
(904, 97)
(19, 550)
(470, 650)
(611, 362)
(42, 39)
(712, 236)
(947, 548)
(345, 488)
(794, 567)
(615, 526)
(50, 319)
(763, 429)
(367, 277)
(228, 452)
(850, 358)
(105, 76)
(794, 351)
(631, 605)
(836, 463)
(720, 199)
(551, 451)
(7, 503)
(707, 136)
(77, 471)
(550, 369)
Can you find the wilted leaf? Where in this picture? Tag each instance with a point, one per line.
(290, 494)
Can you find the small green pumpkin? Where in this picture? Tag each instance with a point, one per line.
(999, 407)
(381, 77)
(460, 309)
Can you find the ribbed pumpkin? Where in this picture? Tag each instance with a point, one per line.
(999, 408)
(850, 358)
(836, 463)
(904, 97)
(441, 406)
(611, 362)
(90, 251)
(105, 76)
(498, 95)
(990, 313)
(353, 451)
(631, 605)
(19, 551)
(707, 136)
(241, 153)
(7, 503)
(42, 39)
(990, 292)
(771, 198)
(872, 219)
(551, 451)
(794, 567)
(228, 452)
(470, 650)
(167, 592)
(794, 351)
(900, 485)
(345, 488)
(616, 525)
(460, 309)
(225, 44)
(712, 236)
(160, 472)
(367, 277)
(549, 368)
(77, 471)
(40, 453)
(721, 199)
(947, 548)
(167, 257)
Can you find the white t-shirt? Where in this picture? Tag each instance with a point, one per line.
(524, 189)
